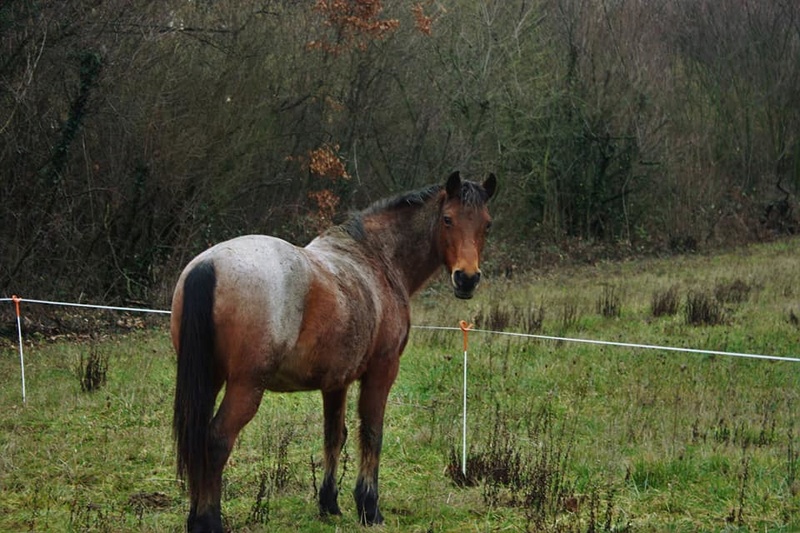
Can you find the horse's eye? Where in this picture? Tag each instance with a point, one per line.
(488, 225)
(447, 221)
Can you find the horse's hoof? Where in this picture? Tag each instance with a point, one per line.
(330, 510)
(372, 519)
(205, 524)
(329, 500)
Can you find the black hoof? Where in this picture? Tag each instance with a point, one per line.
(329, 509)
(367, 505)
(206, 523)
(328, 499)
(374, 518)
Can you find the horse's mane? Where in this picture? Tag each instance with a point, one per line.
(472, 195)
(408, 199)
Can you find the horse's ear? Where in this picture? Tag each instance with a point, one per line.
(453, 186)
(490, 185)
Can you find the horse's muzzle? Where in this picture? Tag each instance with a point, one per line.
(464, 284)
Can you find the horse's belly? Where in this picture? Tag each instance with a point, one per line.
(287, 382)
(332, 365)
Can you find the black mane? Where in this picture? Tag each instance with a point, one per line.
(408, 199)
(472, 195)
(354, 225)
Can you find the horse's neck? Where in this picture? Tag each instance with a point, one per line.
(405, 244)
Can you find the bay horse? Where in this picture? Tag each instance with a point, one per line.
(256, 313)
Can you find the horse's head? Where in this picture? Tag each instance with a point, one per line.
(463, 224)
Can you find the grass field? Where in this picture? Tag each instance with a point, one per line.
(562, 436)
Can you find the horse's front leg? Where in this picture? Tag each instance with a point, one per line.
(375, 385)
(334, 404)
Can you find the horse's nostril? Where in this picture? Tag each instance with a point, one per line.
(464, 281)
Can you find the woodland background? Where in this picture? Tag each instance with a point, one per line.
(133, 134)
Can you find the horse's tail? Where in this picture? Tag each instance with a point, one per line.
(196, 389)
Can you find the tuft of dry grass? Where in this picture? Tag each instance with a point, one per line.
(732, 292)
(609, 303)
(665, 302)
(703, 309)
(92, 369)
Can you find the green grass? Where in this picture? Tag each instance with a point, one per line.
(562, 436)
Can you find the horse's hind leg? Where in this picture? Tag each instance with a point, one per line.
(238, 407)
(375, 385)
(334, 404)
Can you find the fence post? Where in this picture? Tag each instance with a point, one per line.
(16, 299)
(465, 329)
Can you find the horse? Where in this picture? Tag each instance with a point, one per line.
(257, 313)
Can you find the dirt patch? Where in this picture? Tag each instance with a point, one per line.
(149, 500)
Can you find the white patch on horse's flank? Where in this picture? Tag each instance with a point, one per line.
(270, 278)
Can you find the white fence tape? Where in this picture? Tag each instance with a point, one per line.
(442, 328)
(620, 344)
(90, 306)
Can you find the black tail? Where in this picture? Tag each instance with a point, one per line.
(197, 386)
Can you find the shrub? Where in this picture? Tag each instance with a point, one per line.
(703, 310)
(608, 304)
(93, 370)
(733, 292)
(530, 319)
(665, 303)
(495, 317)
